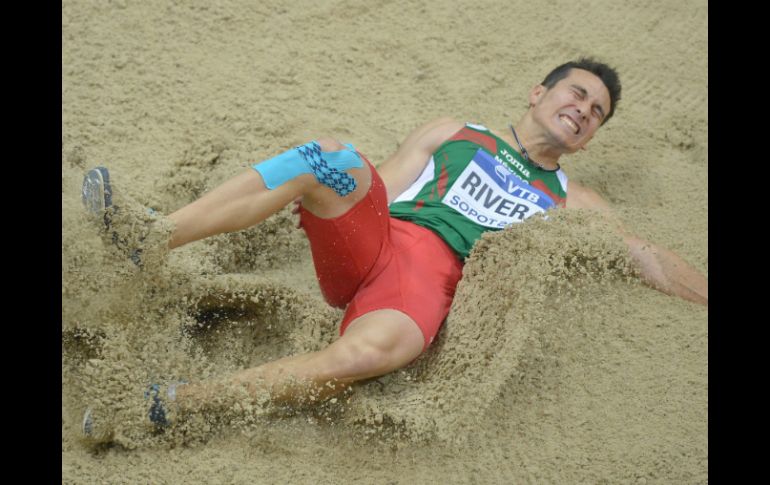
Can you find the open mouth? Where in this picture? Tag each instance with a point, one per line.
(568, 122)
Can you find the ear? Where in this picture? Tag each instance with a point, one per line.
(536, 93)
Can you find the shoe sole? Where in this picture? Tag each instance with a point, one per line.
(97, 191)
(90, 434)
(87, 428)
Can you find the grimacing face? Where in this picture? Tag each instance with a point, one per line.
(572, 110)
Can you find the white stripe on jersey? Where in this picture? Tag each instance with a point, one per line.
(562, 180)
(425, 177)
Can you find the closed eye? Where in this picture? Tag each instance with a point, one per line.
(580, 93)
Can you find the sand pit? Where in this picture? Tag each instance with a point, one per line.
(556, 365)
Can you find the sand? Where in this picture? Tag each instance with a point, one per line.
(556, 364)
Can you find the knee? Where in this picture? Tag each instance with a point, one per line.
(330, 144)
(361, 359)
(372, 359)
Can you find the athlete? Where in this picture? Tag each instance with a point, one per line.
(388, 245)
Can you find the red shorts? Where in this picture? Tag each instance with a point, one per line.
(367, 260)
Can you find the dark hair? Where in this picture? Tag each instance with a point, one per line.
(604, 72)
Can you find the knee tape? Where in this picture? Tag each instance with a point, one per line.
(327, 167)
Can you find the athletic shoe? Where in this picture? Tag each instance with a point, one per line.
(97, 200)
(87, 427)
(158, 408)
(92, 430)
(157, 412)
(97, 192)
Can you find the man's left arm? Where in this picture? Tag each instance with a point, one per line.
(660, 268)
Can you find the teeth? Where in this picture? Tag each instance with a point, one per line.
(569, 123)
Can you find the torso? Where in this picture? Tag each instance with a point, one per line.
(476, 182)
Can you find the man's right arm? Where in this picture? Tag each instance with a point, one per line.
(402, 168)
(659, 267)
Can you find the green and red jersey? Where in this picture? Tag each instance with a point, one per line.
(476, 182)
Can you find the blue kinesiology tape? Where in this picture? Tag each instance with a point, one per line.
(327, 167)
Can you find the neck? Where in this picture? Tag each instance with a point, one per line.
(541, 153)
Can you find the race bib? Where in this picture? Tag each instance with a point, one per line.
(489, 194)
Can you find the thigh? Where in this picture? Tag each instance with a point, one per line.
(346, 248)
(419, 280)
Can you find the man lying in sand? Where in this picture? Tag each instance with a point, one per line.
(389, 244)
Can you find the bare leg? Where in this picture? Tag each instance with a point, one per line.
(244, 201)
(373, 345)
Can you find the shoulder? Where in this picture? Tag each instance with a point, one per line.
(433, 133)
(445, 121)
(446, 126)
